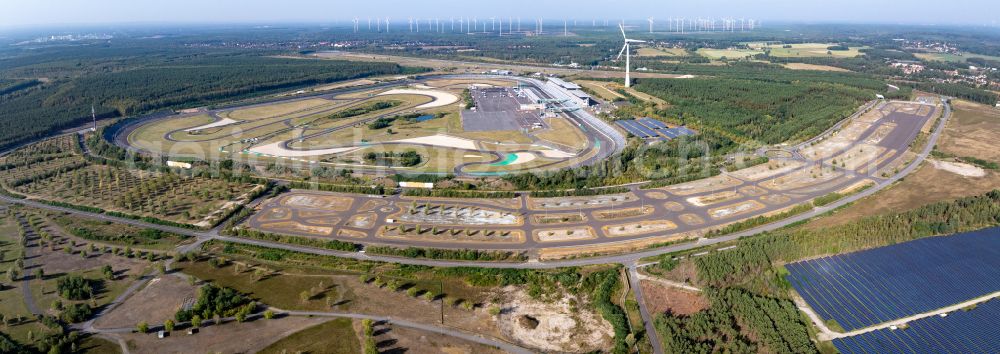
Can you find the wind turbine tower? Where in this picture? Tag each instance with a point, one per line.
(628, 56)
(94, 117)
(650, 24)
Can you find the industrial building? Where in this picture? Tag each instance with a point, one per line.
(569, 91)
(503, 108)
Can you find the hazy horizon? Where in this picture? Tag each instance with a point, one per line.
(45, 13)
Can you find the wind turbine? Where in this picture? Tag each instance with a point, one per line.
(650, 24)
(628, 57)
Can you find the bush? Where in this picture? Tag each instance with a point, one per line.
(75, 287)
(76, 313)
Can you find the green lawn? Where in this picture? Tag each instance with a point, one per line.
(334, 337)
(95, 345)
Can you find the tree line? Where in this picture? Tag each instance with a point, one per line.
(165, 80)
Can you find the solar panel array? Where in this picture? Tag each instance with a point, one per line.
(651, 129)
(865, 288)
(972, 331)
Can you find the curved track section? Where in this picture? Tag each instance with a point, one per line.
(603, 140)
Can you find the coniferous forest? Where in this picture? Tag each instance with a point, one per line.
(130, 81)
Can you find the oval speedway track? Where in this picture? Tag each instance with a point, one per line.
(601, 136)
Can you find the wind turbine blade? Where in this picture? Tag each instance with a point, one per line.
(622, 27)
(621, 52)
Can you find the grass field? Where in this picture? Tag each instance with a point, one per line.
(656, 52)
(602, 90)
(804, 66)
(280, 291)
(972, 132)
(955, 58)
(334, 337)
(563, 132)
(399, 129)
(433, 159)
(118, 234)
(802, 50)
(96, 345)
(275, 110)
(728, 53)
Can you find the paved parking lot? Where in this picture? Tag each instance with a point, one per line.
(499, 109)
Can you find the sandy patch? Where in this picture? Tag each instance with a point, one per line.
(441, 140)
(962, 169)
(656, 195)
(703, 185)
(558, 203)
(673, 206)
(775, 199)
(713, 198)
(276, 149)
(220, 123)
(639, 228)
(325, 202)
(291, 226)
(441, 98)
(556, 154)
(767, 170)
(691, 219)
(523, 157)
(735, 209)
(567, 234)
(560, 325)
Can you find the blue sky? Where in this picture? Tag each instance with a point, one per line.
(16, 13)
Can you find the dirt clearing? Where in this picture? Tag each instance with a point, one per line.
(663, 299)
(961, 169)
(555, 326)
(233, 337)
(927, 185)
(155, 303)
